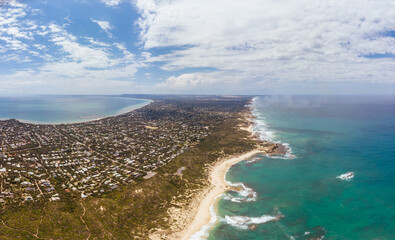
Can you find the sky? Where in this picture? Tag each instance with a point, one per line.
(197, 47)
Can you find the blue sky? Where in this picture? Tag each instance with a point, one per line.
(202, 47)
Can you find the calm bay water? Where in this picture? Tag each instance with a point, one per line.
(328, 136)
(65, 109)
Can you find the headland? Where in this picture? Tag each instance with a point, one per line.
(198, 214)
(119, 176)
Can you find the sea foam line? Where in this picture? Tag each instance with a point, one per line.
(246, 194)
(203, 233)
(265, 133)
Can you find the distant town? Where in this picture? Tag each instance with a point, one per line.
(46, 162)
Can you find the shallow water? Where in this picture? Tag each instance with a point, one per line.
(65, 109)
(328, 136)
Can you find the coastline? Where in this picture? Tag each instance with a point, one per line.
(204, 203)
(122, 111)
(218, 186)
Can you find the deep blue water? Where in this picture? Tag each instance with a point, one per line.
(328, 136)
(65, 109)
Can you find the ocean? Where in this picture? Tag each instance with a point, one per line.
(65, 109)
(301, 195)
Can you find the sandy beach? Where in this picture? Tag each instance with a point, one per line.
(189, 220)
(218, 186)
(201, 211)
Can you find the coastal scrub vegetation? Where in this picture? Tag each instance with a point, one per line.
(134, 210)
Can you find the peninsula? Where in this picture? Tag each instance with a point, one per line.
(196, 215)
(131, 176)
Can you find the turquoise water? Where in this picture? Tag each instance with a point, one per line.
(328, 136)
(65, 109)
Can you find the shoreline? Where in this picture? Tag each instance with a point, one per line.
(122, 111)
(206, 201)
(218, 186)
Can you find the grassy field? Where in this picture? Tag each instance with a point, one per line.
(130, 212)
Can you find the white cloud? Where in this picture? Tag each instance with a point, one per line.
(89, 67)
(65, 77)
(202, 80)
(186, 81)
(12, 29)
(15, 32)
(13, 44)
(111, 3)
(18, 33)
(223, 45)
(103, 24)
(86, 56)
(15, 3)
(96, 42)
(69, 63)
(271, 40)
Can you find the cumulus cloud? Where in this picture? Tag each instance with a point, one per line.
(111, 3)
(203, 44)
(187, 80)
(272, 40)
(207, 82)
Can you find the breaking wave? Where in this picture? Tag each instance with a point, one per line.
(203, 233)
(244, 222)
(254, 159)
(288, 152)
(266, 133)
(245, 194)
(346, 176)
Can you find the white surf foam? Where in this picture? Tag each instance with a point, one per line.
(245, 193)
(288, 152)
(346, 176)
(243, 222)
(266, 133)
(252, 160)
(203, 233)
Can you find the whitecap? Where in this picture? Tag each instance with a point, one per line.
(245, 193)
(233, 199)
(288, 152)
(243, 222)
(346, 176)
(253, 160)
(261, 127)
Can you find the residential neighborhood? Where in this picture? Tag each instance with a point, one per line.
(46, 162)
